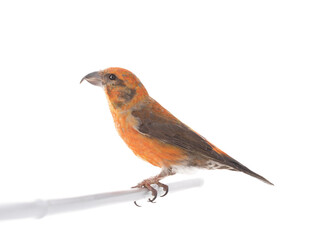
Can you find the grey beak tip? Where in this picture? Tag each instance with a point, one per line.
(82, 80)
(93, 78)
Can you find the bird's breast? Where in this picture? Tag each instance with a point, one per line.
(149, 149)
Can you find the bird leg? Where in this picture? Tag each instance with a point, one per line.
(155, 180)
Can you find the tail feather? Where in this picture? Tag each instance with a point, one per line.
(240, 167)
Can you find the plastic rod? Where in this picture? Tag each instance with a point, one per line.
(41, 208)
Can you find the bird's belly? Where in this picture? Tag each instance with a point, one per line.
(149, 149)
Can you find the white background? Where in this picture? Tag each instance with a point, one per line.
(244, 74)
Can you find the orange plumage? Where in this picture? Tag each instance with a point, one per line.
(153, 133)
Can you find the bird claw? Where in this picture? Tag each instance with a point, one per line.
(154, 192)
(147, 184)
(165, 188)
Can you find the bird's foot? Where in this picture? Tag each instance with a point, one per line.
(147, 183)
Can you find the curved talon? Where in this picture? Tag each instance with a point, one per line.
(147, 184)
(166, 191)
(165, 188)
(154, 193)
(152, 200)
(137, 204)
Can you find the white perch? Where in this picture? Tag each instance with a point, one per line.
(42, 208)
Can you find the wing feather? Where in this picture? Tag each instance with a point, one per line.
(156, 122)
(176, 133)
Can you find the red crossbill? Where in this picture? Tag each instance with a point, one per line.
(154, 134)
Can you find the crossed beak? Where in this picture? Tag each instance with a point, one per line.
(94, 78)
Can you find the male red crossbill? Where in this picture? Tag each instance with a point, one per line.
(154, 134)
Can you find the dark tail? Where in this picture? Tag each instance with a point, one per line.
(240, 167)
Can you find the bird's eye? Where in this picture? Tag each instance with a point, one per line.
(112, 77)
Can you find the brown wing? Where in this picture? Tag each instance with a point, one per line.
(172, 131)
(158, 123)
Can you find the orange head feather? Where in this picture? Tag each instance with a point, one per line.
(121, 86)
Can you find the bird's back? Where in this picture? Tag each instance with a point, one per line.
(159, 125)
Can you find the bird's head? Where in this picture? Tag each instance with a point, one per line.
(122, 87)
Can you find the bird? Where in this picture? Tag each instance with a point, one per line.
(156, 135)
